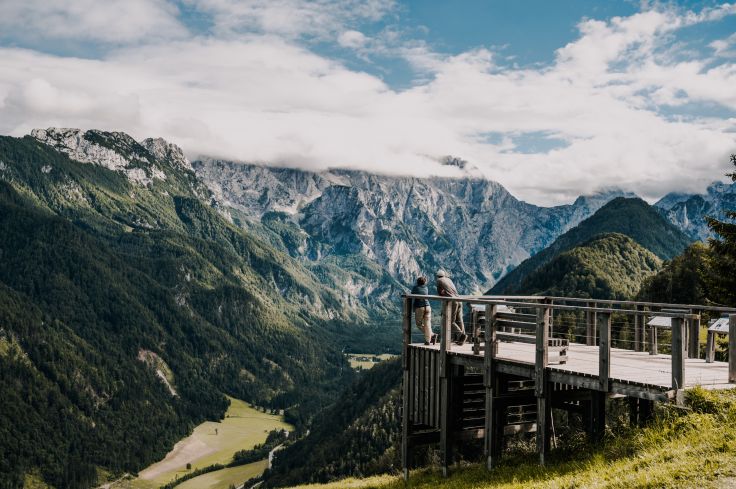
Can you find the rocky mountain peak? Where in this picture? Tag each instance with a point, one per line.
(469, 170)
(688, 211)
(164, 150)
(115, 151)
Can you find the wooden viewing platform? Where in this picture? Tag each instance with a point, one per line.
(524, 361)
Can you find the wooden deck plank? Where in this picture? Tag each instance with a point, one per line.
(627, 366)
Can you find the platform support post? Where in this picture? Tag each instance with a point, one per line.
(678, 353)
(541, 387)
(445, 401)
(489, 380)
(604, 352)
(633, 411)
(597, 416)
(732, 349)
(405, 361)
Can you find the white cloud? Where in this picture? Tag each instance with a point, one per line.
(110, 21)
(291, 18)
(352, 39)
(262, 97)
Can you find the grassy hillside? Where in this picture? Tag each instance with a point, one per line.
(684, 448)
(96, 269)
(628, 216)
(609, 266)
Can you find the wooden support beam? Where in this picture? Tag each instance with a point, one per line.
(544, 424)
(732, 349)
(678, 353)
(646, 411)
(693, 350)
(445, 400)
(598, 416)
(489, 378)
(710, 347)
(405, 361)
(604, 352)
(541, 386)
(541, 359)
(633, 411)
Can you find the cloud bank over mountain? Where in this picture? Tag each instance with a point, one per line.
(643, 102)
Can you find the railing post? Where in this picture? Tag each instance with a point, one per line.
(444, 367)
(604, 349)
(652, 340)
(732, 349)
(590, 325)
(693, 350)
(638, 329)
(710, 347)
(678, 353)
(541, 389)
(405, 361)
(489, 379)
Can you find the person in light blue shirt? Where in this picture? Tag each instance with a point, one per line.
(423, 311)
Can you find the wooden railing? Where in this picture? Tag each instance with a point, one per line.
(533, 317)
(685, 324)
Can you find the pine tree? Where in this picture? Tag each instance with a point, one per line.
(722, 279)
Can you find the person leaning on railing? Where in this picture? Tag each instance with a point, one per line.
(446, 288)
(423, 311)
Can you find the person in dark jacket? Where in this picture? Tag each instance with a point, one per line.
(446, 288)
(423, 311)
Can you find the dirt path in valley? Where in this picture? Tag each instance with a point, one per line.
(186, 451)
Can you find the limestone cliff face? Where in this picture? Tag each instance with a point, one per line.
(688, 211)
(114, 150)
(408, 226)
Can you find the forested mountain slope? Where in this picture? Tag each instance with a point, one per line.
(121, 253)
(358, 436)
(609, 266)
(631, 217)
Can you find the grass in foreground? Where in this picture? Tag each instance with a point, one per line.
(693, 448)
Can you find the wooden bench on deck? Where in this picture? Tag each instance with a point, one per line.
(516, 327)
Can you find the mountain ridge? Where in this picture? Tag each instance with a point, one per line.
(407, 225)
(607, 266)
(631, 217)
(688, 211)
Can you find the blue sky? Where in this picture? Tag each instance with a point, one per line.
(552, 99)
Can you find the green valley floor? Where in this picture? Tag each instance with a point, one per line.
(212, 443)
